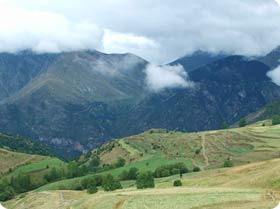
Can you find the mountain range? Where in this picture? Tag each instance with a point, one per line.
(75, 101)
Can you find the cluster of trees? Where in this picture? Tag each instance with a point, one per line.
(145, 180)
(73, 169)
(20, 144)
(15, 185)
(169, 170)
(107, 182)
(276, 120)
(131, 174)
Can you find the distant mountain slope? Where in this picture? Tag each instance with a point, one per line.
(76, 101)
(24, 145)
(225, 91)
(16, 70)
(272, 59)
(197, 59)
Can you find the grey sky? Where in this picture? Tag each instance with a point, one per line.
(159, 31)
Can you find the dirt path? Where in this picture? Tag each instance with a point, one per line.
(119, 204)
(204, 151)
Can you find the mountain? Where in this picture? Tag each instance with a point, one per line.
(71, 102)
(224, 92)
(197, 59)
(17, 70)
(76, 101)
(272, 59)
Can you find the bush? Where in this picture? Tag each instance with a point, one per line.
(276, 120)
(92, 189)
(228, 163)
(120, 163)
(242, 122)
(196, 169)
(145, 180)
(177, 183)
(110, 184)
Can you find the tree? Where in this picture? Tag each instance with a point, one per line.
(110, 184)
(276, 120)
(145, 180)
(177, 183)
(225, 125)
(242, 122)
(120, 163)
(132, 173)
(92, 189)
(123, 175)
(196, 169)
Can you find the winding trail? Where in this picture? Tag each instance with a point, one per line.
(204, 151)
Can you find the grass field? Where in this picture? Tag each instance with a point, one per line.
(179, 198)
(12, 160)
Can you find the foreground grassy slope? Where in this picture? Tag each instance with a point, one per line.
(244, 187)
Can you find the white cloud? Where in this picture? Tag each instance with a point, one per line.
(44, 31)
(275, 75)
(162, 77)
(159, 31)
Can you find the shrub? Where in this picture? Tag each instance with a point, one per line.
(145, 180)
(242, 122)
(177, 183)
(196, 169)
(92, 189)
(228, 163)
(120, 163)
(276, 120)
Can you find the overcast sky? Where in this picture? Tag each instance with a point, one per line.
(158, 30)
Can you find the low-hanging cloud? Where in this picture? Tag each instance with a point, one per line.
(164, 77)
(275, 75)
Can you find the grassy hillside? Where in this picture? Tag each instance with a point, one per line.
(244, 187)
(11, 160)
(204, 149)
